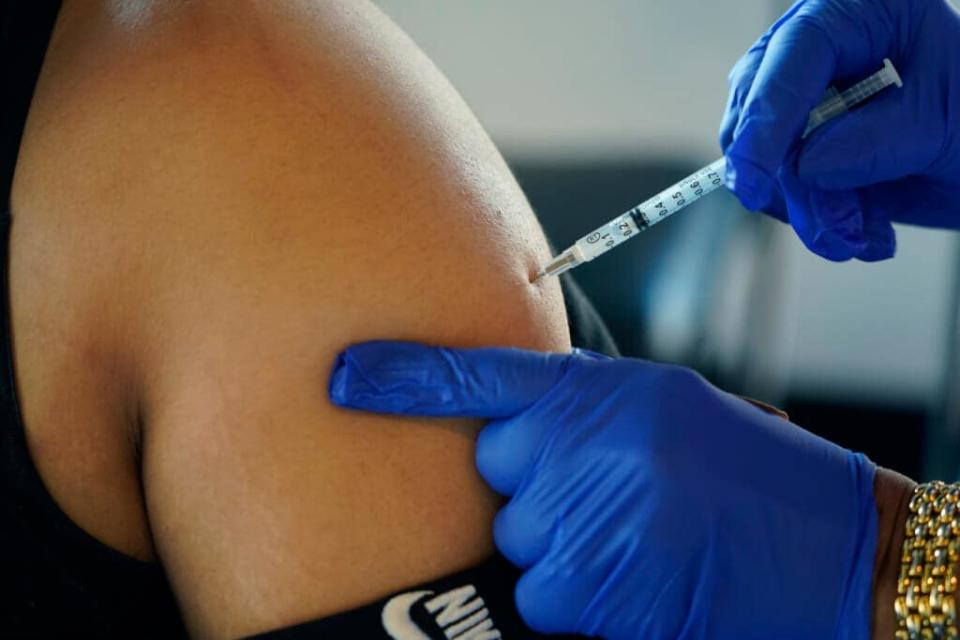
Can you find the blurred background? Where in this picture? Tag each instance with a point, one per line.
(598, 105)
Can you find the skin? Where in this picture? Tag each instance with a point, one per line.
(212, 200)
(892, 492)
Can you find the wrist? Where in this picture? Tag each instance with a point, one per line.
(892, 492)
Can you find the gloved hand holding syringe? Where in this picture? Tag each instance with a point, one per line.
(704, 181)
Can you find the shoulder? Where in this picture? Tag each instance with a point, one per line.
(274, 181)
(214, 138)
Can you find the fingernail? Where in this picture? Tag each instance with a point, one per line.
(837, 246)
(749, 183)
(350, 383)
(881, 244)
(843, 240)
(339, 381)
(364, 378)
(838, 218)
(876, 251)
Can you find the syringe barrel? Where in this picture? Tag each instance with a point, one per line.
(651, 211)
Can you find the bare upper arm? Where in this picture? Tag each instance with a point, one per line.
(288, 178)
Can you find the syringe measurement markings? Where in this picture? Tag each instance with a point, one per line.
(638, 219)
(859, 92)
(656, 205)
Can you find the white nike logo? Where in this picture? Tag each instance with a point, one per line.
(460, 612)
(396, 616)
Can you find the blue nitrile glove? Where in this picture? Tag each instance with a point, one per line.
(894, 158)
(645, 503)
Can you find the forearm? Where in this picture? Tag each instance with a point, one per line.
(892, 492)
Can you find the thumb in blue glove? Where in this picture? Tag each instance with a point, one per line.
(895, 159)
(645, 502)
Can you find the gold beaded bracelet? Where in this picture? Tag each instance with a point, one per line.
(926, 604)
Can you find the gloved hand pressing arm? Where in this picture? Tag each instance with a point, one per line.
(646, 503)
(896, 158)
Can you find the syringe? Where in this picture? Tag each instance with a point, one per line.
(700, 183)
